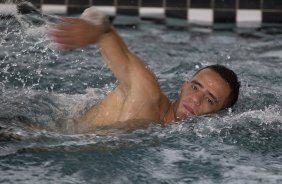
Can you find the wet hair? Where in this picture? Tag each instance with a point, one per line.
(230, 77)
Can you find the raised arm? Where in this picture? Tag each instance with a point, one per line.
(94, 28)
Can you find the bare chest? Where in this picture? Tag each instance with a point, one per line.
(117, 107)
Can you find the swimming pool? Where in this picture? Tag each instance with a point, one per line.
(43, 89)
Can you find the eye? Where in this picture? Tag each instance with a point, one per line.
(210, 101)
(194, 87)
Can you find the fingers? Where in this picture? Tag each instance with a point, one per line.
(63, 33)
(66, 46)
(63, 40)
(63, 26)
(66, 24)
(70, 20)
(66, 39)
(73, 33)
(61, 37)
(57, 33)
(66, 43)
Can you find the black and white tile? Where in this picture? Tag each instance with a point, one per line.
(205, 12)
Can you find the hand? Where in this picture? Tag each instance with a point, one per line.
(75, 33)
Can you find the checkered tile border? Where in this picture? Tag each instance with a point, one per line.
(206, 12)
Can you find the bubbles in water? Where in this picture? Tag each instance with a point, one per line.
(30, 61)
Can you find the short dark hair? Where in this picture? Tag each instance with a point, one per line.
(231, 78)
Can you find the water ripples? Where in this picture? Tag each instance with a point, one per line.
(43, 90)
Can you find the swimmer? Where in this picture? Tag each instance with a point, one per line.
(138, 96)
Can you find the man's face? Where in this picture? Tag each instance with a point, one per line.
(206, 93)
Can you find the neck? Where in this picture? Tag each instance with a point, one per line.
(169, 116)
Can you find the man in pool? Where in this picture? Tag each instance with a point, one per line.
(138, 95)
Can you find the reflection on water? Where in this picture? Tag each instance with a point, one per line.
(43, 90)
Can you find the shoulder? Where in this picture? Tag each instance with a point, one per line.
(143, 76)
(142, 81)
(140, 75)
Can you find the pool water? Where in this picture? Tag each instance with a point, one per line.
(43, 89)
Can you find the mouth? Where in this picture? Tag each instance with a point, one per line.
(189, 109)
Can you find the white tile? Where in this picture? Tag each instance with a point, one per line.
(54, 9)
(249, 18)
(149, 12)
(200, 16)
(109, 10)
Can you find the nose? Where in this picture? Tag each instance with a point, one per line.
(196, 98)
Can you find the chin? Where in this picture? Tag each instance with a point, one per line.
(182, 115)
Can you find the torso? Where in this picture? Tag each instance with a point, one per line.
(138, 98)
(137, 104)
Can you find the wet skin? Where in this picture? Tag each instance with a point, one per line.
(206, 93)
(138, 95)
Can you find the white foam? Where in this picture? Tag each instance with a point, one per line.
(268, 115)
(8, 9)
(74, 105)
(277, 53)
(250, 174)
(171, 156)
(37, 32)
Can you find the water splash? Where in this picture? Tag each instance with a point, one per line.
(43, 90)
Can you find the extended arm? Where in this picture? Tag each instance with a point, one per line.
(93, 28)
(138, 94)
